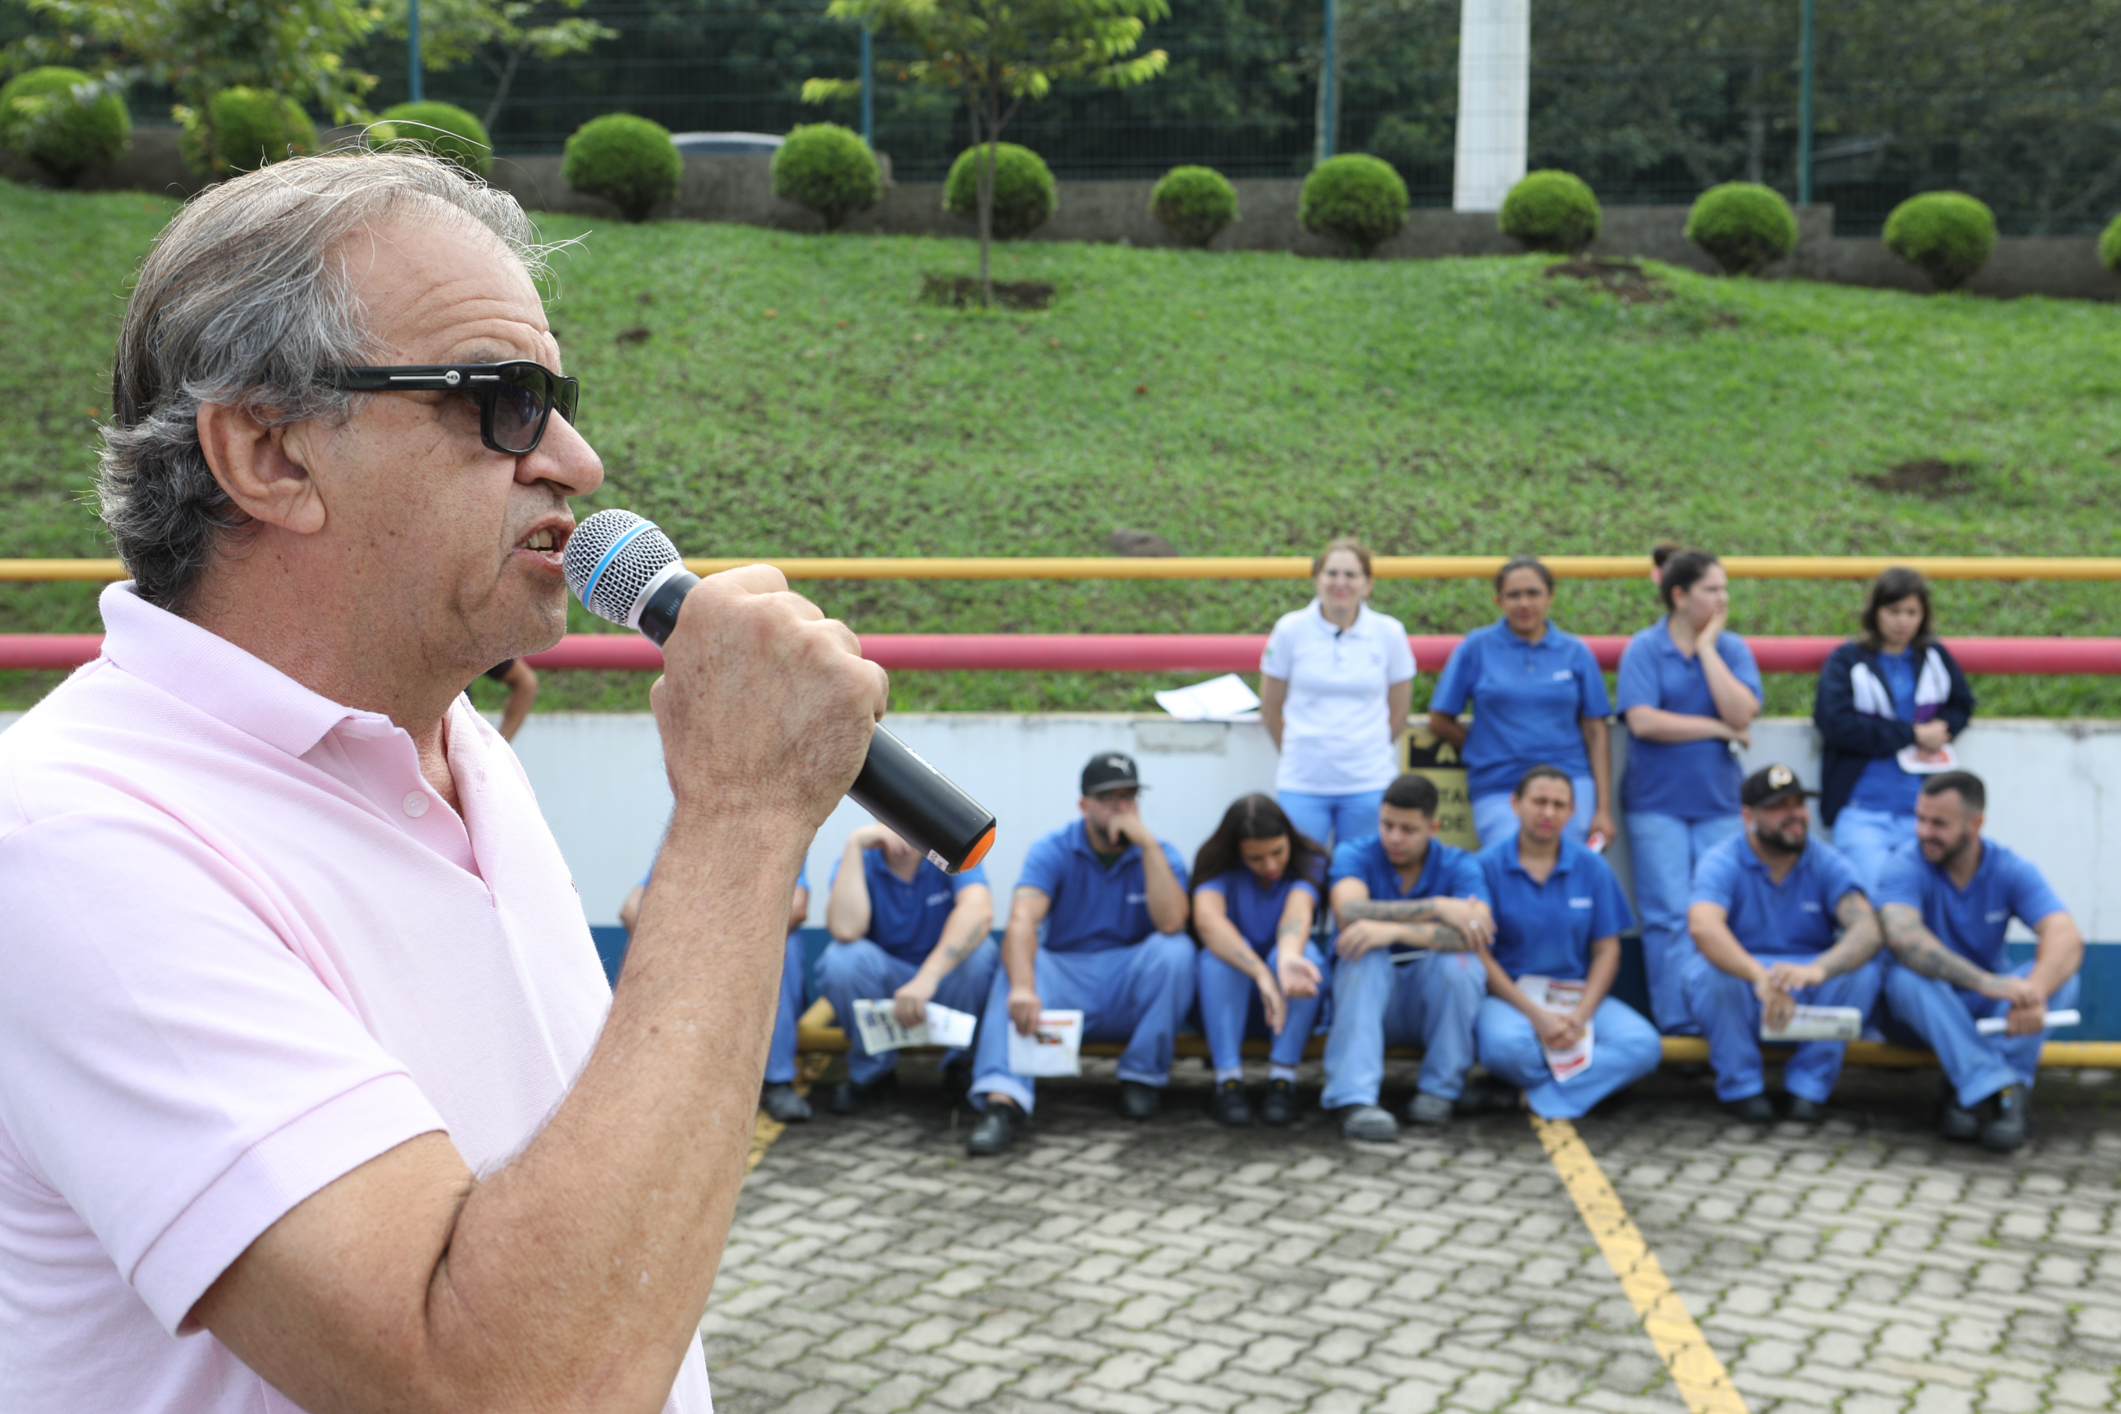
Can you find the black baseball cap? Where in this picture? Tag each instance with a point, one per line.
(1110, 770)
(1771, 785)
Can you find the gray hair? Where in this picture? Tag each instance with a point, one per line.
(242, 302)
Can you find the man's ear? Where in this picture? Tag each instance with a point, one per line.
(263, 469)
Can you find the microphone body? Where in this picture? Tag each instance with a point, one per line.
(896, 785)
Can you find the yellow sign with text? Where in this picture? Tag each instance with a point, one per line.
(1423, 753)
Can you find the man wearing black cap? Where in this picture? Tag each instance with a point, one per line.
(1112, 897)
(1766, 905)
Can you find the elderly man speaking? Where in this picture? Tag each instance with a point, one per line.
(311, 1091)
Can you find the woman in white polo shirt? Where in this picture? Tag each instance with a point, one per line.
(1335, 684)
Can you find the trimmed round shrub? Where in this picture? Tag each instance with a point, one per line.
(41, 119)
(829, 169)
(1742, 226)
(444, 129)
(1947, 235)
(1024, 193)
(630, 162)
(1196, 204)
(1356, 197)
(2110, 246)
(1552, 211)
(248, 128)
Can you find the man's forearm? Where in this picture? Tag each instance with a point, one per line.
(1166, 896)
(1020, 953)
(1440, 937)
(1860, 937)
(1388, 910)
(961, 938)
(1918, 950)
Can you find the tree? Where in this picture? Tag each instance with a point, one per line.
(499, 34)
(998, 55)
(200, 47)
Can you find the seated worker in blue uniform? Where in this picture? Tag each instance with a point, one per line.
(1112, 897)
(777, 1097)
(1558, 914)
(1765, 910)
(1944, 906)
(903, 931)
(1258, 973)
(1413, 911)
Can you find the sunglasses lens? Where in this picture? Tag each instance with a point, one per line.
(519, 407)
(566, 394)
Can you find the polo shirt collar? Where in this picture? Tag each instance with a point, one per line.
(1570, 853)
(1751, 859)
(1320, 621)
(208, 672)
(1550, 639)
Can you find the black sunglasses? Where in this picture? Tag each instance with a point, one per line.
(515, 399)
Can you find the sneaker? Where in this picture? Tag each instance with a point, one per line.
(1954, 1121)
(1484, 1094)
(1229, 1106)
(2013, 1122)
(1799, 1110)
(997, 1128)
(850, 1097)
(1369, 1123)
(1139, 1101)
(780, 1101)
(1278, 1105)
(1425, 1108)
(1753, 1109)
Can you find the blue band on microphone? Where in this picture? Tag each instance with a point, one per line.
(603, 564)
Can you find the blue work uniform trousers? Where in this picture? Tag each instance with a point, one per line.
(860, 970)
(1624, 1048)
(1728, 1011)
(780, 1052)
(1434, 1000)
(1139, 995)
(1230, 1010)
(1928, 1011)
(1664, 850)
(1332, 819)
(1494, 819)
(1868, 838)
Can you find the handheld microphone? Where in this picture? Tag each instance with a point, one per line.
(624, 569)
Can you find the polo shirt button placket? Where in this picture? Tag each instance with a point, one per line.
(416, 804)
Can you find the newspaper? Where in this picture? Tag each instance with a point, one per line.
(881, 1032)
(1055, 1048)
(1550, 995)
(1223, 699)
(1996, 1025)
(1817, 1023)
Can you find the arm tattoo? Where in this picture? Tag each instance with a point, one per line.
(1404, 911)
(1289, 933)
(1859, 939)
(1919, 951)
(1440, 936)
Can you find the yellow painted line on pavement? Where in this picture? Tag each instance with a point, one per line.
(1702, 1381)
(765, 1129)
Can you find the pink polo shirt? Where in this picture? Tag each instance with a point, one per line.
(246, 950)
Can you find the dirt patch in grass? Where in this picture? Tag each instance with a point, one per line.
(1624, 279)
(1929, 477)
(962, 292)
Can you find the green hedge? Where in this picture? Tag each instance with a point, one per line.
(40, 118)
(829, 169)
(1743, 226)
(444, 129)
(630, 162)
(1025, 196)
(247, 128)
(1196, 204)
(1552, 211)
(1947, 235)
(1356, 197)
(2110, 246)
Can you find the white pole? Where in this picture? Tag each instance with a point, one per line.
(1494, 90)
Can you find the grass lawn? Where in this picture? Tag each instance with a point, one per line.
(777, 394)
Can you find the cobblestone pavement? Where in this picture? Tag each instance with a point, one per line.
(1175, 1265)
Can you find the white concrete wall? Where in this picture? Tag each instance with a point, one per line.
(1494, 101)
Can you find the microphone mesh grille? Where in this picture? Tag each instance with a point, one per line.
(615, 590)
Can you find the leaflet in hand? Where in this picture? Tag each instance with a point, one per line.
(1917, 762)
(1997, 1025)
(1055, 1048)
(1817, 1023)
(881, 1032)
(1563, 997)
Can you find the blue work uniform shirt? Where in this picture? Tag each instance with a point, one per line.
(1094, 908)
(1546, 930)
(1886, 786)
(1528, 702)
(1255, 908)
(906, 916)
(1970, 921)
(1692, 780)
(1447, 872)
(1794, 918)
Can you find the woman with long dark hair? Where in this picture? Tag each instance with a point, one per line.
(1889, 705)
(1689, 691)
(1259, 973)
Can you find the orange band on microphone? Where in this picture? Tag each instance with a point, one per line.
(979, 851)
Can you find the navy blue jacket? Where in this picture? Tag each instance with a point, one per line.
(1850, 740)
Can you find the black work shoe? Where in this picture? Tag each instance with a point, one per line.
(997, 1128)
(2013, 1122)
(780, 1101)
(1954, 1121)
(1228, 1104)
(1484, 1094)
(849, 1097)
(1139, 1101)
(1802, 1111)
(1753, 1109)
(1278, 1105)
